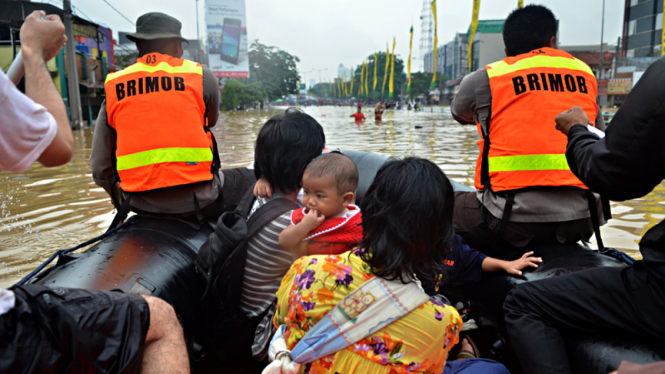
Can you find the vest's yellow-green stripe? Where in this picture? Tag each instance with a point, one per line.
(187, 67)
(158, 156)
(528, 162)
(502, 68)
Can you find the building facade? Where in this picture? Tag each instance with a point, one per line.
(643, 27)
(488, 46)
(344, 72)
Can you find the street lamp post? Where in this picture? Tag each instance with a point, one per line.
(602, 31)
(198, 37)
(319, 70)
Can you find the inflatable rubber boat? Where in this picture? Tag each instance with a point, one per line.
(155, 256)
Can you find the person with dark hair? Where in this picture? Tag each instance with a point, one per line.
(329, 223)
(153, 150)
(626, 164)
(284, 147)
(407, 241)
(359, 116)
(526, 193)
(63, 330)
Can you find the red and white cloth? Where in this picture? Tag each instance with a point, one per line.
(335, 235)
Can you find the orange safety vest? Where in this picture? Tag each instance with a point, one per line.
(521, 149)
(156, 108)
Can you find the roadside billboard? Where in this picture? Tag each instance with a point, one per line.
(621, 86)
(226, 38)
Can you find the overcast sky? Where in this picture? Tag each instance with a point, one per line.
(325, 33)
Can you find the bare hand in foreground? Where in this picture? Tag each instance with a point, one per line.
(262, 188)
(41, 38)
(313, 219)
(515, 267)
(569, 118)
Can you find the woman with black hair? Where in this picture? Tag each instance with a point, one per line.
(284, 147)
(364, 311)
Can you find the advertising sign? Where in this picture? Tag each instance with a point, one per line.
(226, 36)
(621, 86)
(602, 87)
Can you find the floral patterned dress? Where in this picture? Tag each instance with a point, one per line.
(416, 343)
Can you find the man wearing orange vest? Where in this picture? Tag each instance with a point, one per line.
(152, 145)
(526, 192)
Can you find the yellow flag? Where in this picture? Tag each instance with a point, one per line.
(339, 87)
(392, 71)
(436, 41)
(366, 77)
(344, 84)
(408, 85)
(361, 90)
(520, 4)
(385, 71)
(353, 72)
(376, 62)
(474, 27)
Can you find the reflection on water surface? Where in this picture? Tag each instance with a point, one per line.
(45, 210)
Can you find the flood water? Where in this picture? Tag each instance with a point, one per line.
(45, 210)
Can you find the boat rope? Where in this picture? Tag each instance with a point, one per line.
(63, 252)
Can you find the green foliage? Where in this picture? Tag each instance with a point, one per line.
(236, 94)
(231, 94)
(399, 80)
(275, 70)
(421, 83)
(126, 59)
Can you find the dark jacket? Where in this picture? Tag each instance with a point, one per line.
(630, 161)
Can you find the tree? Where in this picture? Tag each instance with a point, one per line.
(231, 94)
(398, 81)
(421, 83)
(274, 69)
(236, 94)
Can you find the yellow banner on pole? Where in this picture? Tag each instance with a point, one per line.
(520, 4)
(392, 71)
(344, 84)
(339, 87)
(376, 63)
(436, 41)
(353, 72)
(385, 71)
(362, 79)
(408, 85)
(474, 27)
(366, 78)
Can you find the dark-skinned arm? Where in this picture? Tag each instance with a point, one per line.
(630, 161)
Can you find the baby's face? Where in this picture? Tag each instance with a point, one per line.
(321, 194)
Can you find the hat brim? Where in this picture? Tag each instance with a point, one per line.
(136, 36)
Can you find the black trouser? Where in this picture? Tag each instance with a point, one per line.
(608, 300)
(467, 216)
(63, 330)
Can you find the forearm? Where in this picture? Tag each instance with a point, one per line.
(40, 88)
(493, 264)
(629, 162)
(292, 236)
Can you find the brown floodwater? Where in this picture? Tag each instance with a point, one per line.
(44, 210)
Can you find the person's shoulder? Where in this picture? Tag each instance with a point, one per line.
(477, 77)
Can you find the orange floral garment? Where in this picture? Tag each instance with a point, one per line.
(416, 343)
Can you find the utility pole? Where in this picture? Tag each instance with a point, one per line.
(320, 83)
(72, 74)
(198, 38)
(602, 31)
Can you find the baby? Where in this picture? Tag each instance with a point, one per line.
(329, 223)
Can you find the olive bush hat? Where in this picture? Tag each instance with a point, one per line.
(155, 25)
